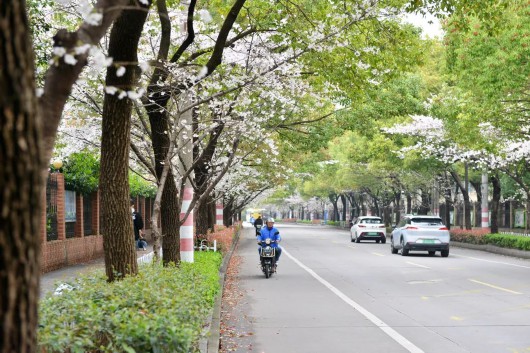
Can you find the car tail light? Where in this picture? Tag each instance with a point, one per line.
(362, 226)
(443, 228)
(412, 228)
(382, 226)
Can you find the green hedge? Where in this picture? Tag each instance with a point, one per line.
(163, 309)
(509, 241)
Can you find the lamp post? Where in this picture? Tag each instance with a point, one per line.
(57, 164)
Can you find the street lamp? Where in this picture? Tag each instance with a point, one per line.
(57, 164)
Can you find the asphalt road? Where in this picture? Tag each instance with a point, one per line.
(333, 296)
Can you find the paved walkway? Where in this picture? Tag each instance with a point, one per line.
(49, 280)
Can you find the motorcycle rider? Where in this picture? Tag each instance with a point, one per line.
(258, 222)
(270, 232)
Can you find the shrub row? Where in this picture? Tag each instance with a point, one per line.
(162, 309)
(509, 241)
(470, 236)
(482, 236)
(224, 237)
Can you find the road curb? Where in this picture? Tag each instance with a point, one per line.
(210, 344)
(494, 249)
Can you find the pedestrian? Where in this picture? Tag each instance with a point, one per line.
(138, 224)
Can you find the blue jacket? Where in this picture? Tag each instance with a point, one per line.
(269, 233)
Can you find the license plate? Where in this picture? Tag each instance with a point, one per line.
(428, 241)
(373, 233)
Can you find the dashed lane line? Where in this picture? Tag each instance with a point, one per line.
(495, 287)
(405, 343)
(422, 266)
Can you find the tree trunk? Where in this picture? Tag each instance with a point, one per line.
(21, 178)
(344, 206)
(425, 203)
(397, 203)
(203, 217)
(448, 203)
(465, 194)
(116, 222)
(495, 203)
(409, 203)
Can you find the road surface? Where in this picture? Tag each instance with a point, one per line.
(334, 296)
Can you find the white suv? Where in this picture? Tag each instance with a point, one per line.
(424, 233)
(368, 228)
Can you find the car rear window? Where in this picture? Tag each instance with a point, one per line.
(371, 220)
(431, 221)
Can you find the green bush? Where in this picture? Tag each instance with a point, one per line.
(509, 241)
(163, 309)
(81, 172)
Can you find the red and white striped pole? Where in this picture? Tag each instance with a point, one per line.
(186, 229)
(219, 214)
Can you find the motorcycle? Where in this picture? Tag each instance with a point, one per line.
(258, 229)
(267, 257)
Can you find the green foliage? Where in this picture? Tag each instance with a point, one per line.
(509, 241)
(81, 172)
(140, 186)
(481, 237)
(163, 309)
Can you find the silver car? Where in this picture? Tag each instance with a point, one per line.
(422, 233)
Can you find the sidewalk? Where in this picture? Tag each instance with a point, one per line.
(49, 280)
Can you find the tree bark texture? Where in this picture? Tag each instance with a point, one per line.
(116, 221)
(495, 203)
(21, 178)
(465, 194)
(170, 206)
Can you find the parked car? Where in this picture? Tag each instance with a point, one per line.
(368, 228)
(423, 233)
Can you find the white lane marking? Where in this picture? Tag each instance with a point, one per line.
(378, 254)
(495, 287)
(495, 262)
(422, 266)
(405, 343)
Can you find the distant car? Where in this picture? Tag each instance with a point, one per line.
(422, 233)
(368, 228)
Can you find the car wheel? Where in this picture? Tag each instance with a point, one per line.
(445, 253)
(392, 248)
(357, 240)
(383, 240)
(431, 253)
(351, 238)
(377, 241)
(404, 252)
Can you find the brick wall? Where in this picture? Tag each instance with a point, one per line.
(82, 248)
(60, 253)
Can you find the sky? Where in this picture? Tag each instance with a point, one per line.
(429, 29)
